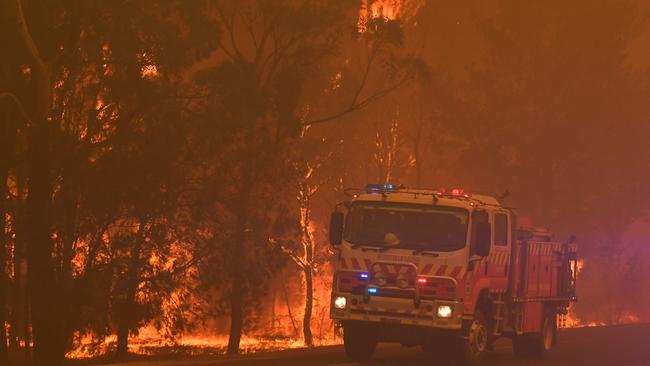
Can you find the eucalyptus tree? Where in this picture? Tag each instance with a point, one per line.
(274, 61)
(86, 76)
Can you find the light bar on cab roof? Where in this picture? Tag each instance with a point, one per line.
(371, 188)
(456, 192)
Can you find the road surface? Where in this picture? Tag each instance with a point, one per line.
(627, 345)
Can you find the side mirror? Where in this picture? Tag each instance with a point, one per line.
(336, 228)
(483, 238)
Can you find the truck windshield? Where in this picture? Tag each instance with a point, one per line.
(408, 226)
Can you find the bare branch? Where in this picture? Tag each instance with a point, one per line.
(300, 262)
(182, 268)
(19, 106)
(360, 104)
(235, 55)
(40, 72)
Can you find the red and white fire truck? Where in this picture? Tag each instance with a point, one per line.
(449, 271)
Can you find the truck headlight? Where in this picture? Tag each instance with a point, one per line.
(340, 302)
(444, 311)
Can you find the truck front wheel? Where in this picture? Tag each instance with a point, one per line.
(359, 341)
(474, 347)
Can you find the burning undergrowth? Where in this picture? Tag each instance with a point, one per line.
(275, 324)
(190, 345)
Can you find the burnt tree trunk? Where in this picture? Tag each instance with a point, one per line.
(122, 350)
(7, 145)
(70, 195)
(237, 313)
(308, 260)
(416, 151)
(273, 311)
(19, 322)
(3, 262)
(48, 345)
(238, 263)
(127, 320)
(309, 300)
(46, 323)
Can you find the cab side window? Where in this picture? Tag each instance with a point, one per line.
(500, 229)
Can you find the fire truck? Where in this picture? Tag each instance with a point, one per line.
(446, 270)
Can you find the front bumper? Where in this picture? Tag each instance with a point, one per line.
(396, 311)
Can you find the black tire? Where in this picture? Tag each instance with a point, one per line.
(546, 342)
(537, 345)
(359, 341)
(474, 348)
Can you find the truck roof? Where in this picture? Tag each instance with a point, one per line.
(455, 197)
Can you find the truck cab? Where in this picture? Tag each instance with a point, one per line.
(433, 268)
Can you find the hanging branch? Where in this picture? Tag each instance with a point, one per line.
(357, 105)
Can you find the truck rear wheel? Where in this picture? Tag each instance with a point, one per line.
(538, 345)
(546, 342)
(359, 341)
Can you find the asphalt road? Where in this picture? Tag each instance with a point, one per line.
(627, 345)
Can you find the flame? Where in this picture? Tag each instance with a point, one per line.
(388, 9)
(370, 9)
(150, 342)
(149, 71)
(629, 318)
(571, 320)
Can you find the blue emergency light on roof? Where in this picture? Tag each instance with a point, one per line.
(372, 290)
(363, 276)
(370, 188)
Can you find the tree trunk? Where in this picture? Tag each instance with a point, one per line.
(48, 343)
(127, 320)
(122, 340)
(236, 315)
(238, 263)
(27, 331)
(273, 301)
(307, 265)
(20, 323)
(237, 291)
(3, 262)
(7, 138)
(19, 307)
(68, 237)
(309, 299)
(416, 152)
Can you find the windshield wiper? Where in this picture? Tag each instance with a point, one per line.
(433, 254)
(385, 247)
(425, 251)
(372, 244)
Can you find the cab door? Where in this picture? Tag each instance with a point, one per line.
(500, 252)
